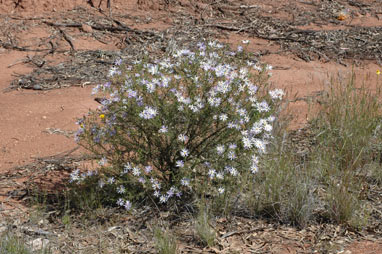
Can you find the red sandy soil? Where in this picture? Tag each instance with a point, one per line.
(26, 114)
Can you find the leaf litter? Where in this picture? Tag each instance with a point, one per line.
(90, 66)
(114, 231)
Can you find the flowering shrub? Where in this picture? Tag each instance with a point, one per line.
(192, 123)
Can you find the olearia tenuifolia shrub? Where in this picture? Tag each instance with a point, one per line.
(192, 124)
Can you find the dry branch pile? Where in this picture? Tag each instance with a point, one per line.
(190, 23)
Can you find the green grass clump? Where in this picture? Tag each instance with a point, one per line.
(330, 181)
(204, 231)
(284, 190)
(11, 244)
(347, 130)
(349, 123)
(165, 243)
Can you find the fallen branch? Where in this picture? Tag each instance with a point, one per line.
(67, 38)
(242, 232)
(121, 27)
(14, 47)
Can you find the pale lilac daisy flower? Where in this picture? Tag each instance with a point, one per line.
(211, 173)
(179, 164)
(232, 146)
(163, 129)
(148, 169)
(148, 113)
(121, 189)
(74, 176)
(223, 117)
(254, 169)
(102, 162)
(113, 70)
(120, 202)
(185, 182)
(220, 175)
(276, 94)
(127, 205)
(163, 199)
(184, 152)
(247, 143)
(220, 149)
(136, 171)
(268, 128)
(182, 138)
(262, 106)
(231, 155)
(111, 180)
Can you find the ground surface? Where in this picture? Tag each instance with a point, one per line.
(40, 99)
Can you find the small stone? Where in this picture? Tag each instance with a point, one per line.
(184, 3)
(167, 20)
(113, 228)
(37, 87)
(43, 117)
(38, 244)
(202, 6)
(86, 28)
(16, 222)
(3, 229)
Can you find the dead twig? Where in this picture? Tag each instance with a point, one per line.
(67, 38)
(242, 232)
(15, 47)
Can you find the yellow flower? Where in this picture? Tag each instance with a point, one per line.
(102, 116)
(343, 14)
(341, 17)
(378, 72)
